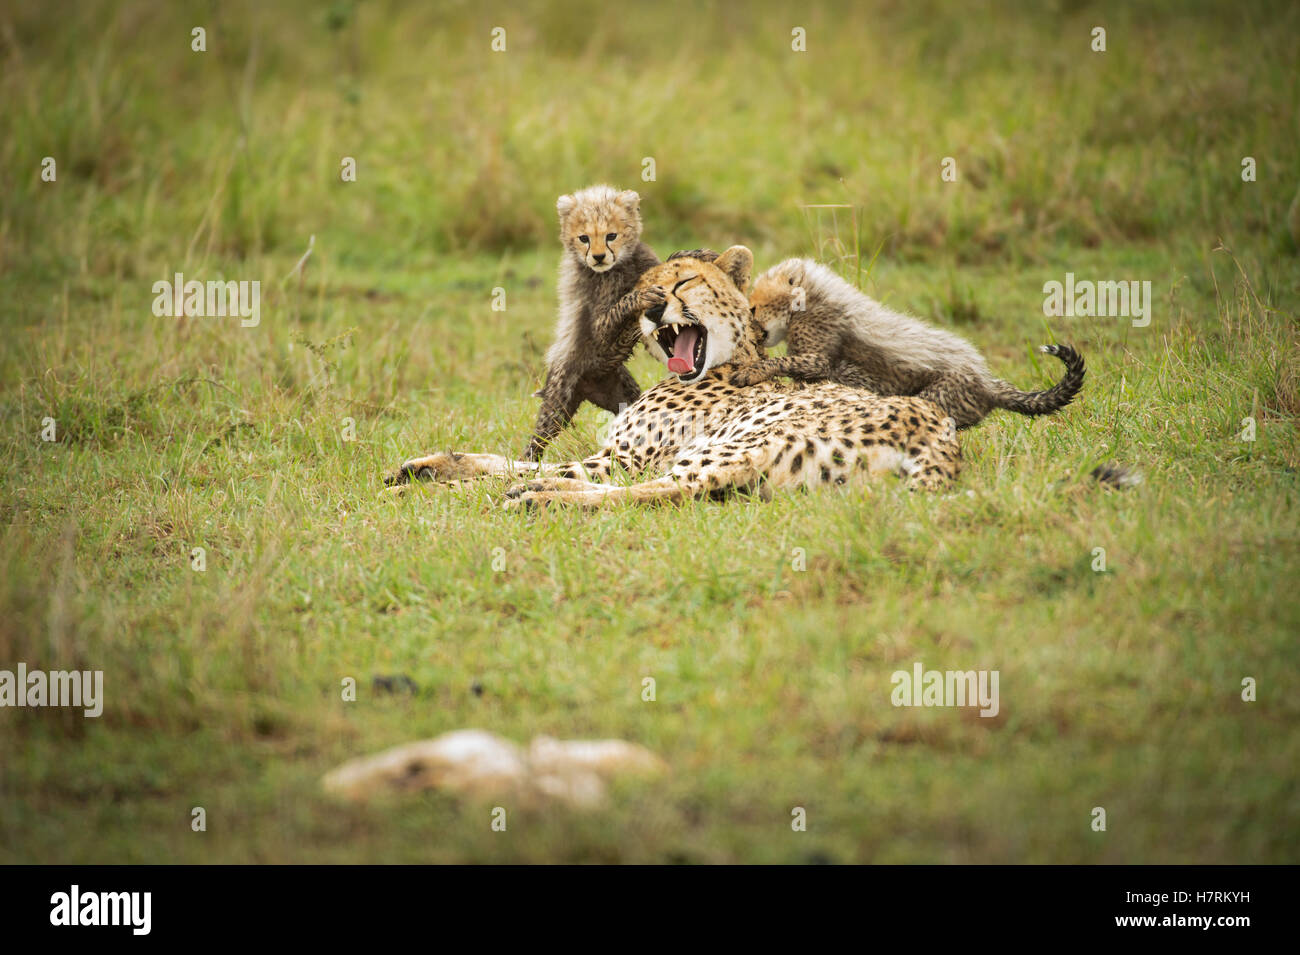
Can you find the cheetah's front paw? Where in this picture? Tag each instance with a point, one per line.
(543, 485)
(445, 467)
(570, 492)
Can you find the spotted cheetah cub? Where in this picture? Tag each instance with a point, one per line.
(597, 329)
(834, 331)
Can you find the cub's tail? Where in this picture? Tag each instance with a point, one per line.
(1054, 398)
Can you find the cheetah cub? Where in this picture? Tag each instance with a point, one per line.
(834, 331)
(600, 229)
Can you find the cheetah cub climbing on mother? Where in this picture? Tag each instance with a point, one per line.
(833, 331)
(696, 435)
(600, 228)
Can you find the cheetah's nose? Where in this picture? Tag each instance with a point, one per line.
(598, 259)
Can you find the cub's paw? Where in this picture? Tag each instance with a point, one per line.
(748, 375)
(641, 300)
(704, 255)
(651, 296)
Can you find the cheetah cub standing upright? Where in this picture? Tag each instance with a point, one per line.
(834, 331)
(597, 329)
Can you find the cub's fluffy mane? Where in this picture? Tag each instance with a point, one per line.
(900, 339)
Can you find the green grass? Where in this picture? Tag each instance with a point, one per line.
(1118, 689)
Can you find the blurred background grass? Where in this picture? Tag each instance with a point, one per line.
(233, 154)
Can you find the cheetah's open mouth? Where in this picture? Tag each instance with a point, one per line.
(684, 346)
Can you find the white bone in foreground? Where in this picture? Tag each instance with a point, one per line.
(479, 763)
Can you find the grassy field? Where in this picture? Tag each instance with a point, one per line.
(1120, 688)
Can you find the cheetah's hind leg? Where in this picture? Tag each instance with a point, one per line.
(937, 460)
(964, 399)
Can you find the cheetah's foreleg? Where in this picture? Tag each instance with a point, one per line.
(665, 489)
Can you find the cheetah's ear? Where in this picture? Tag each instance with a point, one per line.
(793, 269)
(629, 200)
(564, 205)
(738, 263)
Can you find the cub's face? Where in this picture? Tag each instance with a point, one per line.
(777, 294)
(704, 321)
(599, 225)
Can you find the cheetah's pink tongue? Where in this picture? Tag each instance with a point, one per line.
(683, 359)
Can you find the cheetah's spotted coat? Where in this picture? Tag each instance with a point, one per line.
(703, 435)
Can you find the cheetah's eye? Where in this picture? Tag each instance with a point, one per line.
(584, 239)
(611, 237)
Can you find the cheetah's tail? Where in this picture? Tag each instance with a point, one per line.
(1054, 398)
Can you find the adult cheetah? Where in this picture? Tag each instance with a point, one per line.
(703, 435)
